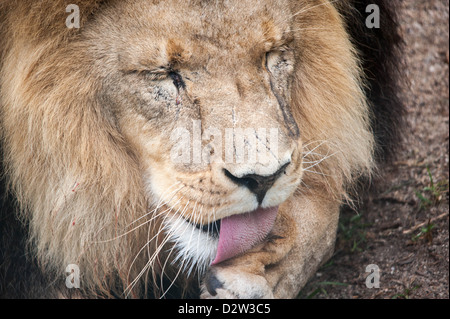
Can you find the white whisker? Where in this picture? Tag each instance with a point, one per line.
(173, 230)
(160, 202)
(156, 253)
(320, 161)
(135, 228)
(310, 8)
(311, 151)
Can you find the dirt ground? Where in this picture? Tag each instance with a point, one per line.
(403, 228)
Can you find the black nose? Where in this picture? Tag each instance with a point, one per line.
(257, 184)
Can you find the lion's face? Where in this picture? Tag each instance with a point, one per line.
(159, 122)
(204, 100)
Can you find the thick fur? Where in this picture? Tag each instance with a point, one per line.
(85, 159)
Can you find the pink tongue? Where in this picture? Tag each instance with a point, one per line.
(239, 233)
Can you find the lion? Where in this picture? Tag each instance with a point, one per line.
(186, 148)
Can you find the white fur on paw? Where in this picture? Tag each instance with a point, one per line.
(227, 283)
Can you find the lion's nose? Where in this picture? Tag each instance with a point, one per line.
(257, 184)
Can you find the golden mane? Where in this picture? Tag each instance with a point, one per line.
(67, 171)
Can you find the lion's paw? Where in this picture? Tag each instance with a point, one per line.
(230, 283)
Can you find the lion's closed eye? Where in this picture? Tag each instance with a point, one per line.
(275, 60)
(159, 74)
(177, 80)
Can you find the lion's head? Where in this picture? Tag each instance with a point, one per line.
(128, 140)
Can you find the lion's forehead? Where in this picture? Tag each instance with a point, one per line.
(235, 26)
